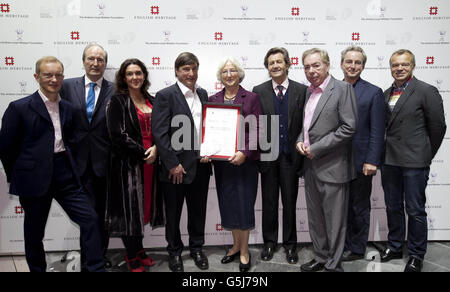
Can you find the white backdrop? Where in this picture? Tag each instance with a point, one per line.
(156, 31)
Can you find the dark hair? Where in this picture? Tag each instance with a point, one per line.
(184, 59)
(121, 84)
(274, 51)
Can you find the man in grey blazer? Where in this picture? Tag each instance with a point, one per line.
(326, 140)
(415, 130)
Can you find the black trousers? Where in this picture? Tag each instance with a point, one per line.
(358, 220)
(281, 175)
(196, 195)
(65, 190)
(95, 188)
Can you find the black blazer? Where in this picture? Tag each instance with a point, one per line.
(297, 94)
(169, 103)
(416, 126)
(92, 139)
(27, 141)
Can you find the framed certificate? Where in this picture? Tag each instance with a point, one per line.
(220, 130)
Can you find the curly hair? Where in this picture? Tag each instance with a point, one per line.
(121, 84)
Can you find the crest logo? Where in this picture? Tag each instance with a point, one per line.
(442, 34)
(244, 11)
(9, 61)
(218, 36)
(101, 9)
(305, 36)
(244, 60)
(23, 87)
(356, 36)
(433, 10)
(295, 11)
(75, 35)
(382, 11)
(19, 33)
(5, 8)
(380, 61)
(166, 34)
(154, 10)
(156, 61)
(438, 86)
(430, 60)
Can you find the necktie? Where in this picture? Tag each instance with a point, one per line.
(280, 92)
(90, 102)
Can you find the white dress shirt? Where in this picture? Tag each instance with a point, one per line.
(97, 88)
(195, 106)
(53, 111)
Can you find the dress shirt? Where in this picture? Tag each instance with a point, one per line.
(195, 106)
(316, 93)
(97, 88)
(285, 85)
(53, 111)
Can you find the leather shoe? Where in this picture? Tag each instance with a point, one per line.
(230, 258)
(267, 253)
(245, 267)
(201, 261)
(388, 255)
(312, 266)
(413, 265)
(176, 263)
(349, 256)
(291, 256)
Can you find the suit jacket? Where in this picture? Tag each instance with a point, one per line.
(169, 103)
(332, 127)
(416, 127)
(27, 141)
(368, 141)
(250, 106)
(92, 140)
(297, 93)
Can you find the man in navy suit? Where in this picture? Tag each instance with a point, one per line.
(176, 127)
(368, 144)
(35, 148)
(89, 96)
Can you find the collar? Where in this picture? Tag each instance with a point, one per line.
(186, 90)
(321, 86)
(87, 81)
(45, 98)
(285, 84)
(403, 86)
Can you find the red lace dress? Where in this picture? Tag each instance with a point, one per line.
(145, 120)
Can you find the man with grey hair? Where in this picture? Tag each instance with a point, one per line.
(326, 141)
(283, 99)
(89, 95)
(415, 130)
(367, 149)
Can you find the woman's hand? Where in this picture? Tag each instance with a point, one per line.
(237, 159)
(150, 155)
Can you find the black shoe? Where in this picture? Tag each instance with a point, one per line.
(414, 265)
(176, 263)
(291, 256)
(388, 255)
(230, 258)
(349, 256)
(267, 253)
(108, 264)
(201, 261)
(245, 267)
(312, 266)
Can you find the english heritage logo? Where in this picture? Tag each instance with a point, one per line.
(9, 61)
(5, 8)
(294, 61)
(75, 35)
(356, 40)
(156, 61)
(430, 61)
(294, 14)
(433, 12)
(356, 36)
(154, 10)
(154, 13)
(218, 36)
(18, 210)
(295, 11)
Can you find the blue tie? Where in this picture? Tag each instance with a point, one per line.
(90, 102)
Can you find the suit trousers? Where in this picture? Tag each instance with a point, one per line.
(95, 188)
(65, 190)
(281, 175)
(406, 186)
(358, 221)
(327, 205)
(196, 195)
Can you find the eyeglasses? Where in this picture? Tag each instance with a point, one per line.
(397, 65)
(50, 76)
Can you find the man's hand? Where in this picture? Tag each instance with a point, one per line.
(237, 159)
(205, 159)
(150, 155)
(176, 174)
(306, 151)
(369, 169)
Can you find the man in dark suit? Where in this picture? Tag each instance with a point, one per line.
(176, 127)
(415, 130)
(89, 96)
(326, 140)
(35, 149)
(367, 149)
(282, 98)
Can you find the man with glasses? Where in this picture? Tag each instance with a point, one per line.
(326, 141)
(89, 96)
(367, 149)
(36, 142)
(415, 130)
